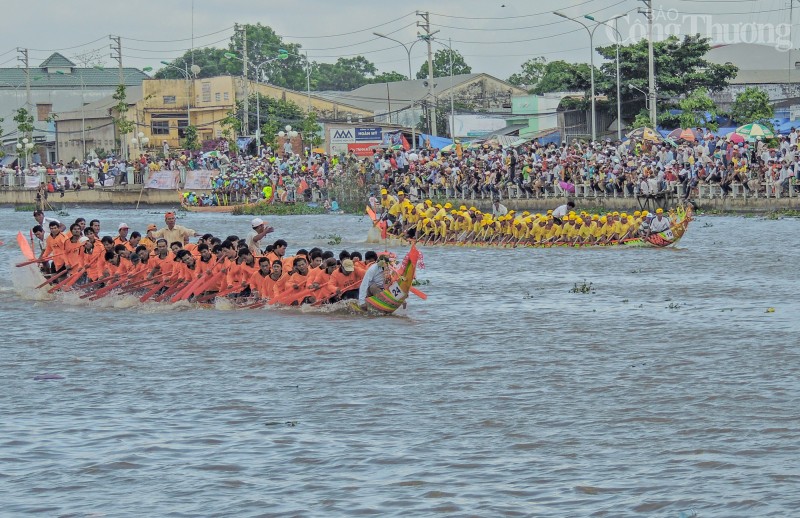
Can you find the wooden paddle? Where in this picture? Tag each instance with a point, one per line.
(53, 278)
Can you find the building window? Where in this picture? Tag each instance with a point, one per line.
(217, 97)
(159, 127)
(169, 99)
(225, 96)
(206, 92)
(43, 111)
(182, 123)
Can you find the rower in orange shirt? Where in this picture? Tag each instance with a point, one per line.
(264, 279)
(54, 247)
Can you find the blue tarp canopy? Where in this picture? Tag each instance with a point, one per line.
(243, 142)
(436, 142)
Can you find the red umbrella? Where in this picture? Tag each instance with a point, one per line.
(735, 138)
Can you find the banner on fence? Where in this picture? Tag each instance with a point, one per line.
(163, 180)
(32, 182)
(199, 180)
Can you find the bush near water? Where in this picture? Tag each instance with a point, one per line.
(278, 209)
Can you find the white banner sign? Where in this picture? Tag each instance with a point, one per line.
(199, 180)
(163, 180)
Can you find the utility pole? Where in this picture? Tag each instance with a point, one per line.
(426, 26)
(118, 56)
(23, 58)
(651, 88)
(246, 118)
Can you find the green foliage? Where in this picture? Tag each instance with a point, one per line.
(441, 65)
(277, 209)
(680, 65)
(642, 120)
(752, 105)
(345, 74)
(263, 44)
(24, 122)
(694, 107)
(232, 124)
(388, 77)
(191, 142)
(275, 111)
(124, 126)
(532, 72)
(212, 62)
(560, 76)
(311, 130)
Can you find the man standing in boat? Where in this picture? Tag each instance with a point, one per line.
(659, 223)
(374, 279)
(561, 211)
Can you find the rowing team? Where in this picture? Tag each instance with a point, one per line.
(434, 224)
(211, 268)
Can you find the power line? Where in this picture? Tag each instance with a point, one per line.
(181, 39)
(503, 17)
(349, 33)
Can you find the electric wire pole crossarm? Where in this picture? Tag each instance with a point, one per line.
(282, 54)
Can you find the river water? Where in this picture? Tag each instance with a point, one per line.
(667, 390)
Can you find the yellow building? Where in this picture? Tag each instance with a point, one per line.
(163, 112)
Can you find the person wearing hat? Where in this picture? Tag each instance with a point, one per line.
(660, 223)
(149, 239)
(172, 232)
(122, 238)
(254, 237)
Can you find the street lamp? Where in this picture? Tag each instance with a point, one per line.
(282, 54)
(591, 55)
(617, 38)
(185, 71)
(452, 111)
(25, 146)
(406, 47)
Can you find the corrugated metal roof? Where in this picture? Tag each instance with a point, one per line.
(377, 97)
(11, 78)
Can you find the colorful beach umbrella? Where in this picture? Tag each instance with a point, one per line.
(645, 133)
(754, 131)
(687, 134)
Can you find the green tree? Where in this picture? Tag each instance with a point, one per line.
(281, 111)
(232, 123)
(680, 66)
(24, 122)
(311, 129)
(441, 65)
(346, 74)
(120, 111)
(561, 76)
(191, 141)
(752, 105)
(696, 108)
(263, 44)
(388, 77)
(212, 62)
(531, 73)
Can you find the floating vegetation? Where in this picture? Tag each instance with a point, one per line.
(674, 305)
(707, 225)
(527, 296)
(638, 270)
(333, 239)
(582, 288)
(421, 282)
(24, 208)
(625, 301)
(277, 209)
(770, 310)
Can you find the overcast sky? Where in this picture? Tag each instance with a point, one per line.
(495, 36)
